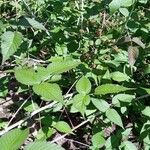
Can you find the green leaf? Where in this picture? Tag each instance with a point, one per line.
(110, 88)
(10, 43)
(63, 127)
(113, 116)
(112, 142)
(80, 101)
(119, 76)
(30, 106)
(83, 86)
(147, 90)
(27, 76)
(100, 104)
(147, 69)
(116, 4)
(13, 139)
(128, 3)
(97, 140)
(146, 111)
(35, 24)
(143, 1)
(124, 98)
(48, 91)
(144, 134)
(44, 133)
(124, 11)
(42, 145)
(129, 145)
(42, 73)
(60, 67)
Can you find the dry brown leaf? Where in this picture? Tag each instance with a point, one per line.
(133, 53)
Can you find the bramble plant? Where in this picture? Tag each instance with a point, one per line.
(75, 74)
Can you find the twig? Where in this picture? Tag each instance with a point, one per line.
(143, 96)
(74, 141)
(28, 117)
(19, 123)
(17, 111)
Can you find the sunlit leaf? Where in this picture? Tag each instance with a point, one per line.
(129, 145)
(60, 67)
(80, 101)
(48, 91)
(63, 127)
(116, 4)
(42, 145)
(83, 85)
(110, 88)
(27, 76)
(119, 76)
(113, 116)
(124, 97)
(124, 11)
(100, 104)
(10, 44)
(35, 24)
(98, 140)
(146, 111)
(13, 139)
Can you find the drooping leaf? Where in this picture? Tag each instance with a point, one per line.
(113, 116)
(119, 76)
(35, 24)
(80, 101)
(110, 88)
(48, 91)
(100, 104)
(83, 86)
(63, 127)
(133, 54)
(60, 67)
(10, 43)
(129, 145)
(42, 145)
(27, 76)
(13, 139)
(98, 140)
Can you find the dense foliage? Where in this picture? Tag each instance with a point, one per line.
(75, 74)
